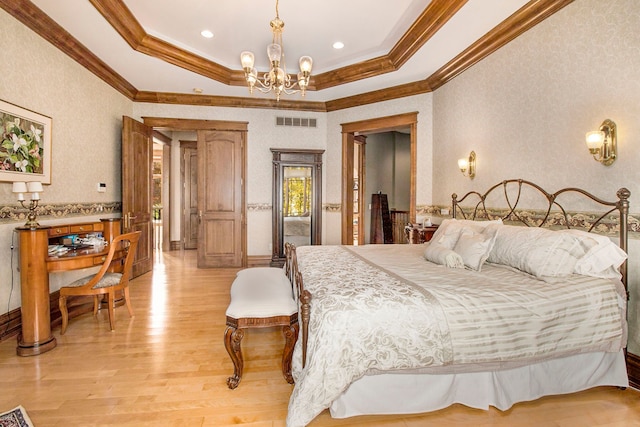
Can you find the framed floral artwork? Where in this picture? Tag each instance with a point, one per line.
(25, 145)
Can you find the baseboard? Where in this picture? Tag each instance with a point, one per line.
(175, 245)
(11, 323)
(259, 261)
(633, 369)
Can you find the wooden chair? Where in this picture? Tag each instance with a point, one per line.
(104, 281)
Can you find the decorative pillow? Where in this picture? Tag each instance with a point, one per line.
(474, 248)
(439, 254)
(449, 230)
(537, 251)
(603, 259)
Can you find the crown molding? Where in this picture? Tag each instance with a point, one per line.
(227, 101)
(118, 15)
(435, 15)
(395, 92)
(522, 20)
(39, 22)
(423, 28)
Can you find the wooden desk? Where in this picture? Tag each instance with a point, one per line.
(35, 265)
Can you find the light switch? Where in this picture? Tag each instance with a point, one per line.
(102, 187)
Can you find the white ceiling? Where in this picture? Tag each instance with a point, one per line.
(368, 28)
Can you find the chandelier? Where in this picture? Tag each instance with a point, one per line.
(277, 79)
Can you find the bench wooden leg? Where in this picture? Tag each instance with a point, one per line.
(232, 339)
(290, 333)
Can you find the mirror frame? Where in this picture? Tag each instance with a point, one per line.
(283, 157)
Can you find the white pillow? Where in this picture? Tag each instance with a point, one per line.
(449, 230)
(602, 260)
(474, 248)
(537, 251)
(439, 254)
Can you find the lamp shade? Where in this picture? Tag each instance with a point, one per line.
(594, 139)
(274, 52)
(305, 64)
(463, 164)
(34, 187)
(247, 59)
(19, 187)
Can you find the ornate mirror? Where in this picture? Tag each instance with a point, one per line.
(297, 199)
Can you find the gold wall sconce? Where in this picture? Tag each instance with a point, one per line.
(603, 143)
(468, 166)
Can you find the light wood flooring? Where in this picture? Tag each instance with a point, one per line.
(167, 366)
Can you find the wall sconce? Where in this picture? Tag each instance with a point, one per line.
(35, 188)
(468, 164)
(603, 143)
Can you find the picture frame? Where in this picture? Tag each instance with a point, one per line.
(25, 145)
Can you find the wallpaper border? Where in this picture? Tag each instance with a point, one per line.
(15, 213)
(580, 220)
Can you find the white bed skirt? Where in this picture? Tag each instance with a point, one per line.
(409, 394)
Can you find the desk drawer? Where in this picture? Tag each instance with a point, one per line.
(99, 260)
(81, 228)
(60, 230)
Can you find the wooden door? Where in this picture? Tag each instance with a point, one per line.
(221, 236)
(137, 156)
(190, 194)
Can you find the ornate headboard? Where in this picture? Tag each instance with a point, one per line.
(554, 214)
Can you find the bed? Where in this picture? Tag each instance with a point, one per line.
(395, 329)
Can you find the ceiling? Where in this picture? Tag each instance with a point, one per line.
(152, 50)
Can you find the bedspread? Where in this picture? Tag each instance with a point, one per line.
(384, 308)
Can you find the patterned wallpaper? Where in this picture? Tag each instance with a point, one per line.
(86, 124)
(525, 110)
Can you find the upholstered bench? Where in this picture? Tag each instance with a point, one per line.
(261, 297)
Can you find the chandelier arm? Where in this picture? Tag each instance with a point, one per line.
(290, 91)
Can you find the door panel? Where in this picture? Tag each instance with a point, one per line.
(190, 217)
(137, 155)
(221, 205)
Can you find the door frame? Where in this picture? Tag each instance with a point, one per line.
(165, 123)
(380, 124)
(361, 142)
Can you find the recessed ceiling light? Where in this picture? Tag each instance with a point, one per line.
(338, 45)
(206, 33)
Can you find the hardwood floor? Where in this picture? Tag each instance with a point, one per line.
(167, 366)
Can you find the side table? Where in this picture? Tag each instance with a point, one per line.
(417, 235)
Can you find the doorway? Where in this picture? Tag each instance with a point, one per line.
(221, 159)
(161, 179)
(350, 179)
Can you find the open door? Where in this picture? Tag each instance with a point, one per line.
(137, 155)
(189, 169)
(221, 204)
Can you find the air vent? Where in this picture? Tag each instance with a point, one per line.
(296, 121)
